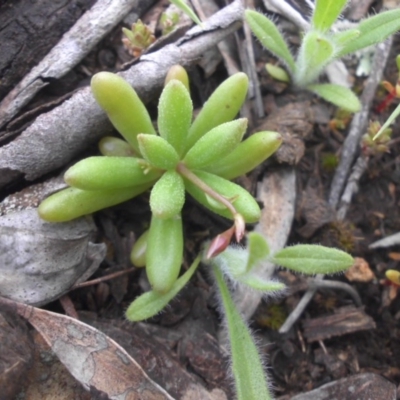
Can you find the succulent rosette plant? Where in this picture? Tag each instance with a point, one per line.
(199, 157)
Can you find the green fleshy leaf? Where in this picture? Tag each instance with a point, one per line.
(158, 152)
(340, 96)
(270, 37)
(123, 107)
(138, 253)
(179, 73)
(168, 195)
(164, 252)
(72, 203)
(258, 250)
(115, 147)
(315, 53)
(344, 37)
(277, 73)
(373, 30)
(244, 202)
(222, 106)
(217, 143)
(175, 114)
(313, 259)
(106, 173)
(247, 155)
(183, 6)
(250, 379)
(149, 304)
(326, 12)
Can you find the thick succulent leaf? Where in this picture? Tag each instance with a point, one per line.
(217, 143)
(106, 173)
(313, 259)
(158, 152)
(250, 379)
(179, 73)
(164, 252)
(247, 155)
(258, 250)
(122, 105)
(175, 110)
(115, 147)
(168, 195)
(338, 95)
(151, 303)
(138, 253)
(270, 37)
(277, 73)
(326, 12)
(244, 203)
(373, 30)
(222, 106)
(72, 203)
(315, 53)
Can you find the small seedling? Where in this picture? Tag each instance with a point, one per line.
(138, 38)
(200, 158)
(321, 45)
(238, 266)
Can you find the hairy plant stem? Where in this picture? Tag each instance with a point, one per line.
(184, 171)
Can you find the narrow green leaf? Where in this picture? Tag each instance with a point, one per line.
(115, 147)
(340, 96)
(270, 37)
(106, 173)
(344, 37)
(247, 155)
(215, 144)
(149, 304)
(72, 203)
(316, 52)
(138, 253)
(183, 6)
(255, 282)
(257, 248)
(164, 252)
(222, 106)
(123, 107)
(326, 12)
(168, 195)
(388, 122)
(175, 110)
(313, 259)
(157, 151)
(244, 202)
(250, 379)
(373, 30)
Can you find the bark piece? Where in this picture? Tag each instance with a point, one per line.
(345, 320)
(60, 135)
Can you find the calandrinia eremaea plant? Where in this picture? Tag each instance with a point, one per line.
(238, 265)
(321, 45)
(200, 157)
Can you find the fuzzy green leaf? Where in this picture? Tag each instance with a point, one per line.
(183, 6)
(149, 304)
(258, 250)
(115, 147)
(157, 151)
(215, 144)
(315, 53)
(138, 253)
(164, 252)
(247, 155)
(244, 202)
(373, 30)
(270, 37)
(168, 195)
(175, 114)
(250, 379)
(266, 286)
(222, 106)
(122, 105)
(72, 203)
(340, 96)
(106, 173)
(326, 12)
(313, 259)
(344, 37)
